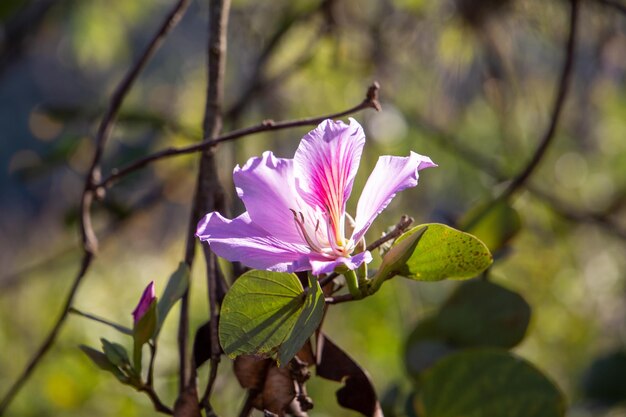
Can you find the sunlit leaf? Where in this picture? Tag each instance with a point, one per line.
(443, 252)
(269, 313)
(487, 383)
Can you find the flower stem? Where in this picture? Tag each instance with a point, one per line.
(353, 284)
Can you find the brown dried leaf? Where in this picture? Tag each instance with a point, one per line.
(358, 392)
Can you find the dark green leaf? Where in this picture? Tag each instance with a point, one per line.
(495, 225)
(269, 313)
(481, 313)
(487, 383)
(176, 287)
(604, 381)
(443, 252)
(101, 360)
(115, 353)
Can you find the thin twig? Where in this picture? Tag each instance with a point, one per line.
(338, 299)
(49, 341)
(400, 227)
(370, 101)
(88, 236)
(156, 401)
(546, 140)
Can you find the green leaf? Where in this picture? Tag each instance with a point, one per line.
(115, 353)
(481, 313)
(443, 252)
(175, 289)
(269, 313)
(495, 225)
(424, 347)
(487, 383)
(101, 360)
(603, 382)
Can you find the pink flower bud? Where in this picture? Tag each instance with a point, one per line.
(147, 298)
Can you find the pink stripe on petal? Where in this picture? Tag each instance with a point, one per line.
(326, 163)
(391, 175)
(241, 240)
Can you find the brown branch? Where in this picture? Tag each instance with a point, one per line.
(88, 236)
(546, 140)
(156, 401)
(50, 339)
(563, 88)
(209, 195)
(370, 101)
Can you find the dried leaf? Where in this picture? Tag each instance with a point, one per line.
(358, 392)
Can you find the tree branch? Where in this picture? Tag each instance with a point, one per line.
(370, 101)
(209, 195)
(546, 140)
(88, 237)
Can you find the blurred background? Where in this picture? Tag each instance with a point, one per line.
(469, 83)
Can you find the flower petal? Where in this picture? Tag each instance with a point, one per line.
(241, 240)
(325, 165)
(390, 175)
(266, 186)
(325, 266)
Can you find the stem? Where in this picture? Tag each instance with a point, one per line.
(353, 284)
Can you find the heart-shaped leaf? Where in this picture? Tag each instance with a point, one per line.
(269, 313)
(486, 382)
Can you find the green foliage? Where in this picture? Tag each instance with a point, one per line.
(495, 225)
(269, 313)
(443, 252)
(487, 383)
(143, 331)
(176, 287)
(481, 313)
(477, 314)
(604, 380)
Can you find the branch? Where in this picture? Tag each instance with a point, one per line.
(156, 401)
(209, 195)
(564, 83)
(370, 101)
(520, 180)
(88, 237)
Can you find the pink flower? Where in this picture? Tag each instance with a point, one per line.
(147, 298)
(296, 218)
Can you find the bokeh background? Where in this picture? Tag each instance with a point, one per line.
(468, 82)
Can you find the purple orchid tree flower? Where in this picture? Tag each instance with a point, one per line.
(296, 218)
(147, 298)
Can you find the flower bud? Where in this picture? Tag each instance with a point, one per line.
(146, 300)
